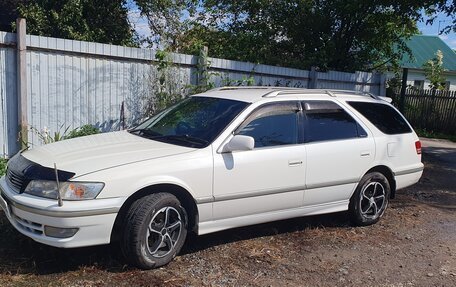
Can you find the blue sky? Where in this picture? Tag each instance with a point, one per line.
(450, 39)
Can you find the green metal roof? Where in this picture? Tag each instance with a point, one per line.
(424, 48)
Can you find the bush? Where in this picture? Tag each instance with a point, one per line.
(84, 130)
(431, 134)
(3, 166)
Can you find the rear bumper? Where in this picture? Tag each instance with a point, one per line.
(94, 219)
(408, 177)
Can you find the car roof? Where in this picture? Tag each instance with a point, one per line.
(251, 94)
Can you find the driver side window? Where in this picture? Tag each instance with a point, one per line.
(272, 125)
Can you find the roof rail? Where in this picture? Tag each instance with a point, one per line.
(356, 93)
(226, 88)
(332, 93)
(298, 91)
(277, 91)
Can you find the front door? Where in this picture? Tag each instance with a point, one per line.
(270, 177)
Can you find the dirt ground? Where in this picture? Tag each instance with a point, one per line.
(413, 245)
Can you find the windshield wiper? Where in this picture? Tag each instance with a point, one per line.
(150, 134)
(145, 132)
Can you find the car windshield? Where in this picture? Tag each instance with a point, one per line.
(193, 122)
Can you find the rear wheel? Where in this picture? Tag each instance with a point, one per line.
(369, 202)
(154, 231)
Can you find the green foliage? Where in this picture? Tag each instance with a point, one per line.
(103, 21)
(245, 81)
(3, 163)
(164, 97)
(8, 13)
(166, 19)
(446, 7)
(431, 134)
(84, 130)
(197, 89)
(165, 88)
(433, 69)
(46, 136)
(335, 34)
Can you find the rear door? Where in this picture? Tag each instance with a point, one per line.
(339, 151)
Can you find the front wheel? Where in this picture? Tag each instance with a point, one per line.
(369, 202)
(154, 231)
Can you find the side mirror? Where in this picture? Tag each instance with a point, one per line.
(239, 143)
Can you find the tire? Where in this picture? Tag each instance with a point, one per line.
(154, 230)
(370, 199)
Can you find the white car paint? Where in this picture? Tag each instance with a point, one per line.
(86, 155)
(230, 189)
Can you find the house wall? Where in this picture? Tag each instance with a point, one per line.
(418, 75)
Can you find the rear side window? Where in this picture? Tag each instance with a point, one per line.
(326, 121)
(384, 117)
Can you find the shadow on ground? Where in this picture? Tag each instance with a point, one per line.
(21, 255)
(437, 186)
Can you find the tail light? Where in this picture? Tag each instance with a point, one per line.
(418, 147)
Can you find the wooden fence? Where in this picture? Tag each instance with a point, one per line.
(433, 111)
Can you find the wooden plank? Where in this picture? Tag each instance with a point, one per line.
(22, 80)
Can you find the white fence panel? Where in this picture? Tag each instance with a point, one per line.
(359, 81)
(72, 83)
(8, 81)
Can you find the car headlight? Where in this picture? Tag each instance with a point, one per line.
(69, 190)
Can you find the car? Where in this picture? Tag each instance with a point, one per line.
(225, 158)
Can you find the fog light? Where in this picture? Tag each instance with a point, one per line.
(60, 232)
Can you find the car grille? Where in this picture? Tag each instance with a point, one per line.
(15, 180)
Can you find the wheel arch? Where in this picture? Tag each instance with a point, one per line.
(182, 194)
(388, 173)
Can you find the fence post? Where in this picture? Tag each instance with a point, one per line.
(313, 78)
(202, 67)
(403, 88)
(382, 85)
(22, 81)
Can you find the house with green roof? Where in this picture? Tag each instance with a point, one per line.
(423, 48)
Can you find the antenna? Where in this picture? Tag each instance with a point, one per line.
(59, 196)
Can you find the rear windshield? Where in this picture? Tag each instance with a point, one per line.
(384, 117)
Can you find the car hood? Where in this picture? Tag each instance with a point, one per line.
(96, 152)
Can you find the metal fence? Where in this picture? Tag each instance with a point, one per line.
(430, 110)
(72, 83)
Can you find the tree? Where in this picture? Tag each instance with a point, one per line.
(167, 19)
(8, 13)
(103, 21)
(329, 34)
(433, 69)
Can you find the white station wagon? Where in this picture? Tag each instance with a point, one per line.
(225, 158)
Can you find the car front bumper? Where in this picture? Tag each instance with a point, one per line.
(93, 219)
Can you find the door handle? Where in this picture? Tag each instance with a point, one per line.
(294, 162)
(365, 153)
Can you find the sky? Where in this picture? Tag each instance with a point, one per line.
(427, 29)
(142, 27)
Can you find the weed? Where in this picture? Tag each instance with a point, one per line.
(84, 130)
(3, 163)
(431, 134)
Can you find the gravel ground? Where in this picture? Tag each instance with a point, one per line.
(413, 245)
